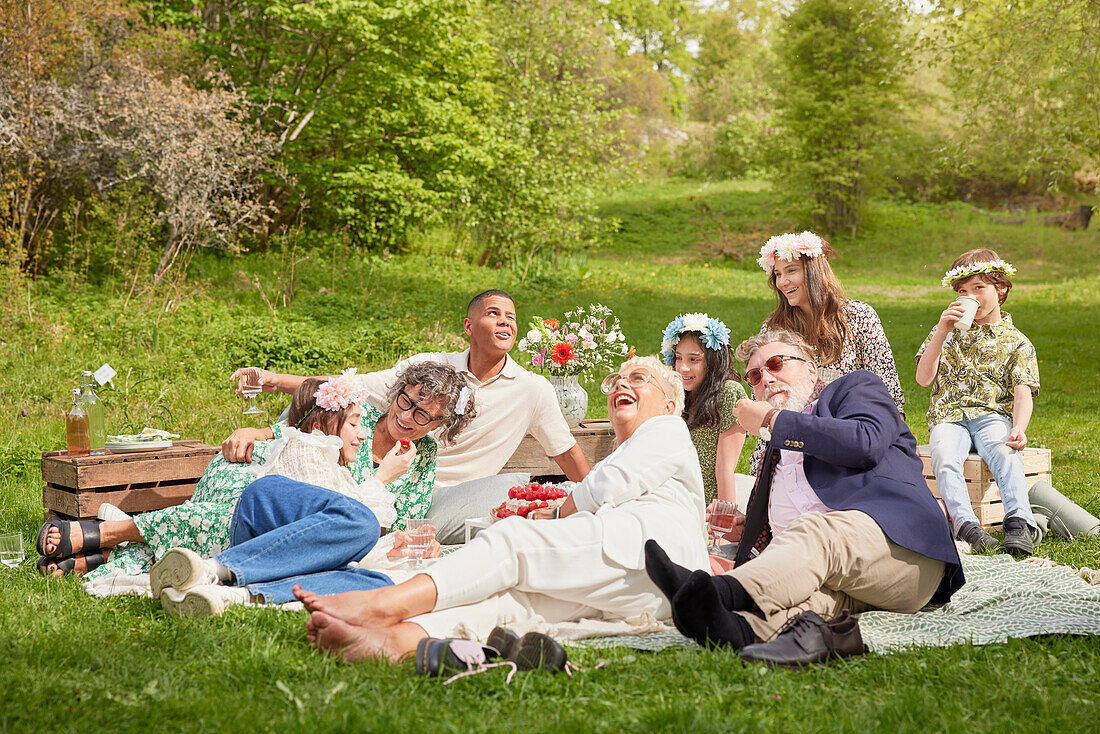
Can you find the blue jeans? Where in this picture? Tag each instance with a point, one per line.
(286, 532)
(951, 443)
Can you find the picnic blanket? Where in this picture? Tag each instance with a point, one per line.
(1002, 598)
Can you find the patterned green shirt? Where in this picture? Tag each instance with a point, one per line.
(705, 438)
(978, 370)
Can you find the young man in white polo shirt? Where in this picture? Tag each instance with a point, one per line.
(510, 401)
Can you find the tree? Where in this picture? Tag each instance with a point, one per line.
(1026, 77)
(840, 62)
(377, 106)
(75, 126)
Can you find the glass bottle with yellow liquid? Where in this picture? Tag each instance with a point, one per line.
(77, 429)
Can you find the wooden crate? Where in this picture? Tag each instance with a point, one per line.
(76, 486)
(595, 438)
(985, 497)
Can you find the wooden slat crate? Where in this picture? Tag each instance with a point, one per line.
(595, 438)
(985, 497)
(76, 486)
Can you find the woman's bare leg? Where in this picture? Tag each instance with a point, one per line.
(354, 644)
(111, 533)
(377, 608)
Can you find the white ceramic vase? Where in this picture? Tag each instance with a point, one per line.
(572, 398)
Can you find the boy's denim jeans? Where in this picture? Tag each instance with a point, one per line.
(950, 444)
(286, 532)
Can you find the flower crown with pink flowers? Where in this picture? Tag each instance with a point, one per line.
(339, 392)
(787, 247)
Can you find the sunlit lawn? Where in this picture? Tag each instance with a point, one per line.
(73, 663)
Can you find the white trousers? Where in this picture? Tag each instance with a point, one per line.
(518, 570)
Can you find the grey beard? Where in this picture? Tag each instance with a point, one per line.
(797, 398)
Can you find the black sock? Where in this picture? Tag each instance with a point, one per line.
(731, 594)
(699, 614)
(668, 576)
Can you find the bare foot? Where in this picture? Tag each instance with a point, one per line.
(375, 608)
(352, 644)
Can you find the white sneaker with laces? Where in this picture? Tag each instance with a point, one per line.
(208, 600)
(180, 568)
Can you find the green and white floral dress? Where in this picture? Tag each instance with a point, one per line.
(202, 522)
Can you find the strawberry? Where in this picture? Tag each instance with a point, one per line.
(544, 504)
(541, 493)
(405, 443)
(523, 510)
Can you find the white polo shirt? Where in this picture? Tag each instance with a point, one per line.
(510, 405)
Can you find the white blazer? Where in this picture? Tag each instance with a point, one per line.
(649, 487)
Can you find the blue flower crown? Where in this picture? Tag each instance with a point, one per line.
(713, 334)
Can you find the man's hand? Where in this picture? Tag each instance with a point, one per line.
(734, 535)
(238, 447)
(1017, 439)
(254, 375)
(750, 414)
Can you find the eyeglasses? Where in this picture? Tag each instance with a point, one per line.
(635, 379)
(773, 365)
(420, 416)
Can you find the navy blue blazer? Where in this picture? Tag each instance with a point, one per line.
(860, 455)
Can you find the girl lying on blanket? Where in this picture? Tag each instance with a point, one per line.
(394, 480)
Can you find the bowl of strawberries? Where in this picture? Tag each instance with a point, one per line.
(534, 501)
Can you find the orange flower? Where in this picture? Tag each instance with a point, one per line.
(562, 353)
(551, 324)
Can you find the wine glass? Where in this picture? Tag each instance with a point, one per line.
(250, 388)
(421, 533)
(11, 549)
(720, 522)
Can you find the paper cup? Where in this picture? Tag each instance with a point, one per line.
(971, 306)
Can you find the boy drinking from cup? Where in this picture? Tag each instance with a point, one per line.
(983, 379)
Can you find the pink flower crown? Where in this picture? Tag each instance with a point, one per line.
(339, 392)
(788, 246)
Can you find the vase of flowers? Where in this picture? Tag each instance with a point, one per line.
(582, 342)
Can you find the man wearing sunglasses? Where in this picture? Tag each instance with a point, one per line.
(511, 402)
(841, 517)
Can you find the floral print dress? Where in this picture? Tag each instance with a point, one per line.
(866, 349)
(706, 438)
(202, 522)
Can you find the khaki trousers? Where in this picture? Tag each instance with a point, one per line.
(829, 562)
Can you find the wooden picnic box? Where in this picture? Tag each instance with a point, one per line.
(985, 497)
(595, 438)
(134, 481)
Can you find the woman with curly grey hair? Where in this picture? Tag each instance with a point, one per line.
(296, 524)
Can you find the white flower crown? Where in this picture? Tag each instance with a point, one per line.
(965, 271)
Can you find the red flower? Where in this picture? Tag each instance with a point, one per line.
(551, 324)
(562, 353)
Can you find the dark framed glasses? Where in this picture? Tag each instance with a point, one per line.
(420, 416)
(635, 379)
(773, 365)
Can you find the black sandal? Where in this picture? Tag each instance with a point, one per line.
(47, 564)
(64, 548)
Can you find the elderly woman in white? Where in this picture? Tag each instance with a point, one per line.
(587, 563)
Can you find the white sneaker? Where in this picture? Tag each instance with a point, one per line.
(208, 600)
(179, 568)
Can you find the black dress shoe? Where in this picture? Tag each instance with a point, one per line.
(807, 639)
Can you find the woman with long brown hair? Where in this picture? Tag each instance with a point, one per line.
(845, 334)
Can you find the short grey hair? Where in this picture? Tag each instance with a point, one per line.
(441, 382)
(747, 348)
(672, 383)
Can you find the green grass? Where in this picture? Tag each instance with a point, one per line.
(73, 663)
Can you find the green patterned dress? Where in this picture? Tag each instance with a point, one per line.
(705, 438)
(202, 522)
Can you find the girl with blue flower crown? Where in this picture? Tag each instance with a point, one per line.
(698, 348)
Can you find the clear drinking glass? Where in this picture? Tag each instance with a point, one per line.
(11, 549)
(421, 533)
(250, 388)
(721, 522)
